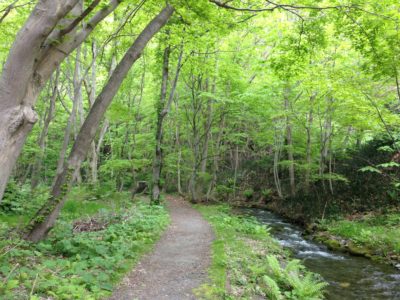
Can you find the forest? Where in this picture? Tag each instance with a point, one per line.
(209, 149)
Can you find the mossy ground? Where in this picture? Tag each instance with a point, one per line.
(380, 233)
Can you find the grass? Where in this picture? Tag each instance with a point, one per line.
(82, 202)
(248, 262)
(72, 209)
(380, 233)
(13, 220)
(83, 265)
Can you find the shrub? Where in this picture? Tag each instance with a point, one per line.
(266, 192)
(223, 191)
(82, 265)
(248, 193)
(14, 198)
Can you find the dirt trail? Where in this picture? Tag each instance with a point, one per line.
(178, 263)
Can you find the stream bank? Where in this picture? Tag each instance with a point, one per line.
(349, 277)
(249, 263)
(373, 235)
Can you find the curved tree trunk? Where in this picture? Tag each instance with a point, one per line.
(45, 218)
(26, 72)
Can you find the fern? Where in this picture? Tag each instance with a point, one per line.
(275, 267)
(303, 287)
(273, 290)
(293, 266)
(307, 287)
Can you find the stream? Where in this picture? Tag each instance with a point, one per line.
(349, 277)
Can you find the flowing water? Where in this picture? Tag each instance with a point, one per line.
(350, 277)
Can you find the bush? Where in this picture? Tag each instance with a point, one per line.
(16, 198)
(266, 193)
(248, 193)
(223, 191)
(82, 265)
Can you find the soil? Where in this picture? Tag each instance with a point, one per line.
(179, 262)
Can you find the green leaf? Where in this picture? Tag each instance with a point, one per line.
(370, 169)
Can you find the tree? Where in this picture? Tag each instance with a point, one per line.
(45, 218)
(163, 107)
(51, 33)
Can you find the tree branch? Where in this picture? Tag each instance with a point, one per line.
(79, 19)
(10, 7)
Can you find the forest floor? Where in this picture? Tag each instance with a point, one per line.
(179, 262)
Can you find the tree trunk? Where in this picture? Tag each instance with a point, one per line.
(193, 177)
(309, 144)
(326, 135)
(45, 218)
(71, 119)
(137, 118)
(43, 135)
(216, 155)
(157, 164)
(208, 130)
(179, 146)
(92, 98)
(277, 153)
(330, 169)
(77, 82)
(289, 144)
(162, 111)
(26, 72)
(236, 167)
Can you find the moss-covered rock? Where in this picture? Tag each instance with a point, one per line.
(358, 250)
(333, 244)
(311, 228)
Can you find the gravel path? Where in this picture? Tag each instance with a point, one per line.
(178, 263)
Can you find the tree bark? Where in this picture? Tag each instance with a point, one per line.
(43, 135)
(309, 144)
(216, 155)
(157, 164)
(289, 144)
(75, 96)
(277, 153)
(208, 124)
(45, 218)
(26, 72)
(179, 147)
(194, 120)
(326, 135)
(77, 83)
(235, 169)
(162, 111)
(92, 98)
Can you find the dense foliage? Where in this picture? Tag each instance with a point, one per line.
(269, 102)
(289, 104)
(92, 246)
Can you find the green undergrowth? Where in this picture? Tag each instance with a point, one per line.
(247, 262)
(83, 264)
(380, 233)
